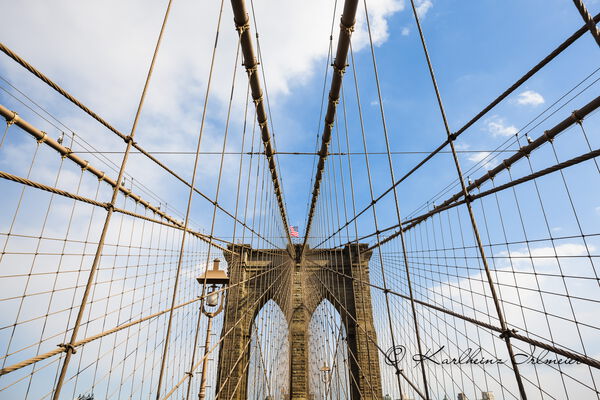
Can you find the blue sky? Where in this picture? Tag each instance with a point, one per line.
(100, 53)
(477, 50)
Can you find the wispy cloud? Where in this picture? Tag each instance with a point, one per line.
(498, 127)
(423, 7)
(484, 158)
(530, 98)
(405, 31)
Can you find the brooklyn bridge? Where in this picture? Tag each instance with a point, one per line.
(256, 199)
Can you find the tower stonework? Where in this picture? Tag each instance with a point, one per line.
(298, 287)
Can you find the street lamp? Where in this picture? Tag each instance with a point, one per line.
(325, 377)
(214, 279)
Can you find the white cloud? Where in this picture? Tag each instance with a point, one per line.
(530, 98)
(100, 52)
(106, 67)
(546, 256)
(477, 157)
(498, 127)
(528, 293)
(405, 31)
(484, 158)
(423, 7)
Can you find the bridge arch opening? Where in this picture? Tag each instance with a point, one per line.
(329, 372)
(268, 375)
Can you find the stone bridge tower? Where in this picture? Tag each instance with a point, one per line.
(297, 287)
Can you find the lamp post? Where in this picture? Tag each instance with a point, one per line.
(212, 279)
(325, 377)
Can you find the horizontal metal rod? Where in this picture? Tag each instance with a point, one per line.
(62, 349)
(207, 353)
(347, 314)
(292, 153)
(570, 40)
(416, 220)
(111, 128)
(575, 117)
(64, 193)
(557, 350)
(42, 137)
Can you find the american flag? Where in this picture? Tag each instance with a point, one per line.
(294, 231)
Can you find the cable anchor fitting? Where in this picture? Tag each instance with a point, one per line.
(129, 139)
(348, 29)
(43, 138)
(68, 152)
(508, 333)
(576, 117)
(68, 347)
(242, 28)
(13, 120)
(340, 71)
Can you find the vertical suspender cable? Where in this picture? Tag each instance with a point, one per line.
(189, 207)
(506, 333)
(242, 25)
(339, 65)
(70, 346)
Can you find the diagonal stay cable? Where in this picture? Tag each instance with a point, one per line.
(558, 50)
(13, 118)
(548, 135)
(111, 128)
(110, 209)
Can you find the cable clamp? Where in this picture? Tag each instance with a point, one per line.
(345, 28)
(525, 151)
(43, 138)
(101, 178)
(334, 100)
(340, 71)
(577, 118)
(13, 120)
(68, 347)
(86, 166)
(251, 68)
(507, 165)
(242, 28)
(508, 333)
(548, 138)
(189, 373)
(256, 101)
(129, 139)
(263, 124)
(68, 152)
